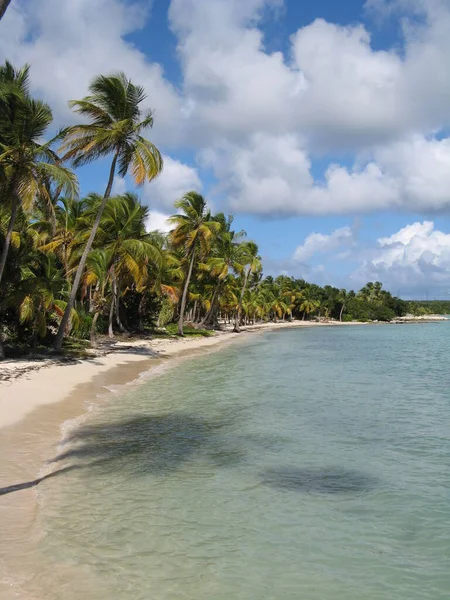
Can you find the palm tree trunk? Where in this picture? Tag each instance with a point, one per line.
(185, 292)
(80, 269)
(117, 304)
(237, 321)
(9, 232)
(2, 349)
(3, 6)
(340, 314)
(111, 315)
(93, 329)
(211, 310)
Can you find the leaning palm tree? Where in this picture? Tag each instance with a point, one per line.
(194, 232)
(115, 127)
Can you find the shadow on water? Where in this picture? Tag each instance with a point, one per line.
(144, 444)
(325, 481)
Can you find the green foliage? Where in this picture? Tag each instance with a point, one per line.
(189, 331)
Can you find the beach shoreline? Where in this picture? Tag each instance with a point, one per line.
(24, 383)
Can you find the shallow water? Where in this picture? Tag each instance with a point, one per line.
(307, 463)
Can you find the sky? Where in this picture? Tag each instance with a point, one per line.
(323, 126)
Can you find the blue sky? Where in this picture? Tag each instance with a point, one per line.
(323, 126)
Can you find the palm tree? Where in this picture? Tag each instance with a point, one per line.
(115, 128)
(226, 257)
(26, 164)
(122, 233)
(193, 231)
(252, 264)
(308, 306)
(98, 275)
(343, 298)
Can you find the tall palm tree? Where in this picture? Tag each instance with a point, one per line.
(122, 233)
(193, 231)
(343, 298)
(252, 264)
(115, 127)
(26, 164)
(226, 257)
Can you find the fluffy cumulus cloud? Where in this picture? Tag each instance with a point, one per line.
(319, 244)
(261, 115)
(67, 42)
(272, 175)
(176, 179)
(157, 221)
(416, 255)
(258, 118)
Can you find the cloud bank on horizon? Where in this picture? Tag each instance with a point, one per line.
(330, 124)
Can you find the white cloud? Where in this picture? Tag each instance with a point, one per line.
(417, 255)
(272, 175)
(176, 179)
(257, 118)
(157, 221)
(119, 186)
(67, 42)
(336, 88)
(319, 243)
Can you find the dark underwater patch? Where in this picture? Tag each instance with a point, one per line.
(325, 481)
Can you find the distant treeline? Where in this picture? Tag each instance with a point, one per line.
(429, 307)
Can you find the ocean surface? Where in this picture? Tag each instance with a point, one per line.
(298, 464)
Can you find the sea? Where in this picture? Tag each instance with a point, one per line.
(299, 464)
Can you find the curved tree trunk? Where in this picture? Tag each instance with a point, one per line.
(185, 293)
(342, 310)
(3, 6)
(76, 283)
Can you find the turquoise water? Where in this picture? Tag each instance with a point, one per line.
(310, 464)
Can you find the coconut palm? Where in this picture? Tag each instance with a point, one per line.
(252, 263)
(26, 164)
(309, 306)
(123, 235)
(98, 275)
(226, 257)
(115, 127)
(193, 231)
(343, 299)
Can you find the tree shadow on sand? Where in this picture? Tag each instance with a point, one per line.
(144, 444)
